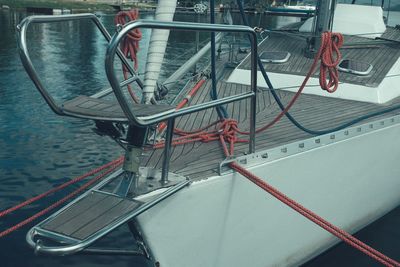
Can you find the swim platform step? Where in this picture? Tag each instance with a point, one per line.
(91, 214)
(90, 217)
(107, 110)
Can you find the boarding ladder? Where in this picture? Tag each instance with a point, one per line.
(97, 212)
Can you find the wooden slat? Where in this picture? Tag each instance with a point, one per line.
(382, 59)
(200, 160)
(89, 215)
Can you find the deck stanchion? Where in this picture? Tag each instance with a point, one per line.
(167, 150)
(253, 104)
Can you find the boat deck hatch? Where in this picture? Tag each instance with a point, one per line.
(355, 67)
(274, 56)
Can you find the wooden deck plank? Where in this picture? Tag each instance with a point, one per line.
(382, 58)
(202, 159)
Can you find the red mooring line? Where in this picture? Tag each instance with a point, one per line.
(105, 169)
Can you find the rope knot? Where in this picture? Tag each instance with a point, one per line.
(330, 56)
(205, 138)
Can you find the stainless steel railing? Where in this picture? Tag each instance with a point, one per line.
(110, 71)
(22, 29)
(170, 117)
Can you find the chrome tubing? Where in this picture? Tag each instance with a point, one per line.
(22, 28)
(70, 245)
(185, 26)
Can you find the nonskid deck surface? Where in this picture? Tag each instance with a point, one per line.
(380, 54)
(90, 214)
(201, 160)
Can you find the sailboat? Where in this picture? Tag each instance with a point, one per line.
(187, 202)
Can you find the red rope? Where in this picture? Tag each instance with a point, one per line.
(338, 232)
(330, 59)
(111, 165)
(343, 235)
(225, 128)
(191, 93)
(184, 101)
(329, 55)
(60, 187)
(130, 44)
(330, 45)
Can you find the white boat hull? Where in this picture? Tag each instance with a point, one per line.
(228, 221)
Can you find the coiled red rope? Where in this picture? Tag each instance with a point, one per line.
(130, 44)
(105, 169)
(330, 59)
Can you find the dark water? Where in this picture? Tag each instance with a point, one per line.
(39, 149)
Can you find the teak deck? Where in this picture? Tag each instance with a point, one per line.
(379, 53)
(200, 160)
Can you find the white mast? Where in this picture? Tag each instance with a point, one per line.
(158, 43)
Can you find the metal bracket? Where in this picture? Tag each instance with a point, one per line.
(149, 180)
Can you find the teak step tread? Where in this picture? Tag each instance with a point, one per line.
(90, 214)
(107, 110)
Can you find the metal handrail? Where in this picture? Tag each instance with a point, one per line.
(69, 245)
(143, 121)
(22, 28)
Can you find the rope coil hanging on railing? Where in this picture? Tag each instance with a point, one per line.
(130, 44)
(330, 59)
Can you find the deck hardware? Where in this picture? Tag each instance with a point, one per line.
(332, 136)
(284, 150)
(274, 56)
(119, 27)
(359, 129)
(301, 145)
(355, 67)
(346, 132)
(317, 141)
